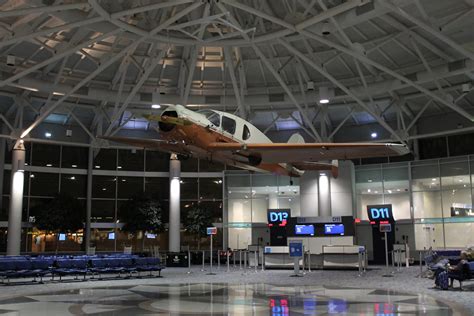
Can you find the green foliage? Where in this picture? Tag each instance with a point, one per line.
(142, 213)
(61, 214)
(197, 220)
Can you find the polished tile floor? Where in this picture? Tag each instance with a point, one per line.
(225, 299)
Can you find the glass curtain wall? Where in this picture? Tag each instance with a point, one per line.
(118, 174)
(436, 195)
(248, 197)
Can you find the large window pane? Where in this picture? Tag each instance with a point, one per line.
(396, 188)
(46, 155)
(158, 188)
(427, 204)
(106, 159)
(210, 166)
(210, 188)
(74, 185)
(44, 184)
(425, 178)
(129, 186)
(189, 188)
(130, 160)
(189, 165)
(103, 211)
(74, 157)
(157, 161)
(103, 186)
(213, 208)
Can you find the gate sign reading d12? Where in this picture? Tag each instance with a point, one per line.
(211, 230)
(278, 217)
(379, 213)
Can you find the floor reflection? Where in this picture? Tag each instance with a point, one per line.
(225, 299)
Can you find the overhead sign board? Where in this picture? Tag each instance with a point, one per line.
(319, 219)
(296, 248)
(211, 230)
(382, 212)
(278, 217)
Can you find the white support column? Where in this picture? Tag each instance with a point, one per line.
(174, 230)
(16, 199)
(324, 195)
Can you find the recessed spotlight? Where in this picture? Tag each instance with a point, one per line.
(460, 180)
(124, 180)
(324, 101)
(398, 190)
(389, 191)
(32, 175)
(49, 165)
(73, 178)
(181, 181)
(104, 189)
(434, 179)
(370, 180)
(374, 135)
(369, 190)
(97, 167)
(119, 167)
(74, 166)
(48, 135)
(155, 106)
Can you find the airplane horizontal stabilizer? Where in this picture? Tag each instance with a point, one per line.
(312, 152)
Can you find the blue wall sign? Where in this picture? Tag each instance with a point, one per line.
(377, 213)
(296, 248)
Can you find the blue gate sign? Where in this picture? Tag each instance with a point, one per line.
(211, 230)
(296, 248)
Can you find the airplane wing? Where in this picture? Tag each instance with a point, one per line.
(310, 152)
(158, 144)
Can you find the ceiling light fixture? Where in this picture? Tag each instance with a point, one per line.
(323, 95)
(374, 135)
(48, 134)
(155, 100)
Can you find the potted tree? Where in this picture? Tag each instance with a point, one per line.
(63, 214)
(142, 214)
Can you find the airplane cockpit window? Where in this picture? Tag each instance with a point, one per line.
(246, 133)
(228, 124)
(212, 116)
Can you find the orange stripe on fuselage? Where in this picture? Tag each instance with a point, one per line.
(197, 138)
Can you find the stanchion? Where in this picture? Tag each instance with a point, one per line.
(189, 261)
(359, 255)
(240, 259)
(203, 260)
(218, 259)
(365, 260)
(421, 264)
(228, 260)
(255, 258)
(263, 259)
(309, 260)
(303, 265)
(233, 257)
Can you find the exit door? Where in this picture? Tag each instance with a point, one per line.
(378, 239)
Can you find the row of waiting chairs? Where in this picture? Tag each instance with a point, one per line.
(94, 266)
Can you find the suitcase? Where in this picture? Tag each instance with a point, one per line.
(442, 280)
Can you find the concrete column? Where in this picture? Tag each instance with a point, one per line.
(324, 195)
(87, 229)
(309, 194)
(273, 200)
(174, 229)
(16, 199)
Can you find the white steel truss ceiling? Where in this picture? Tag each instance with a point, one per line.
(97, 64)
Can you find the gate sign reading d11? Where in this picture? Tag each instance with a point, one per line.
(379, 213)
(211, 230)
(278, 217)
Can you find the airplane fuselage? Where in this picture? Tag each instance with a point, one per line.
(206, 127)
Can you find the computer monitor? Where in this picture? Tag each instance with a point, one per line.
(150, 236)
(334, 229)
(111, 236)
(304, 230)
(62, 237)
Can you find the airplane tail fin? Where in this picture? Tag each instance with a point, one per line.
(296, 138)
